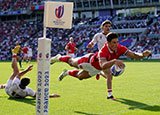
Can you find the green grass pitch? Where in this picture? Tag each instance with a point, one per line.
(137, 91)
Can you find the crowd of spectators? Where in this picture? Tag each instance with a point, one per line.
(14, 5)
(28, 32)
(134, 17)
(91, 21)
(21, 31)
(129, 25)
(154, 29)
(152, 44)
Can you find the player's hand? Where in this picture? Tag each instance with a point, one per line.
(146, 53)
(76, 49)
(90, 45)
(54, 95)
(119, 63)
(30, 68)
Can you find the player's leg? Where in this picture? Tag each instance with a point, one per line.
(83, 75)
(25, 58)
(75, 73)
(15, 68)
(109, 76)
(103, 74)
(13, 75)
(67, 59)
(29, 58)
(19, 60)
(55, 59)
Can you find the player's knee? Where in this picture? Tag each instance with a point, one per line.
(70, 62)
(73, 63)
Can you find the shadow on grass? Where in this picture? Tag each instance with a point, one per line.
(138, 105)
(31, 101)
(84, 113)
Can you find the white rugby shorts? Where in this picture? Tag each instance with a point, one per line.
(71, 54)
(84, 63)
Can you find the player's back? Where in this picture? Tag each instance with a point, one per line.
(71, 47)
(108, 54)
(16, 49)
(25, 50)
(16, 91)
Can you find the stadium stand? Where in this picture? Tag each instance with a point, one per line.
(139, 30)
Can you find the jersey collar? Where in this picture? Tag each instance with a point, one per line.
(109, 49)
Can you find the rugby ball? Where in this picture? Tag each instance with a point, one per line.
(116, 71)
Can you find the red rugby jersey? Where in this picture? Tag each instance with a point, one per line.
(108, 54)
(25, 50)
(71, 47)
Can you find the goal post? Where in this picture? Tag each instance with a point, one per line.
(56, 15)
(42, 94)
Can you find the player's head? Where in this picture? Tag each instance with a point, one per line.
(25, 45)
(17, 43)
(112, 39)
(105, 26)
(71, 39)
(25, 81)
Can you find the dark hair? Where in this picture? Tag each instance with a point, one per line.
(111, 35)
(25, 81)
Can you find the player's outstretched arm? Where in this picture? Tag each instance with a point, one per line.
(107, 64)
(76, 49)
(51, 95)
(24, 72)
(138, 55)
(54, 95)
(66, 47)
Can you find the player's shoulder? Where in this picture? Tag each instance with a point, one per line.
(18, 46)
(122, 49)
(104, 49)
(98, 34)
(68, 43)
(16, 81)
(105, 46)
(121, 46)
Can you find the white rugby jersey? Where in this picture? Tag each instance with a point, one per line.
(29, 52)
(100, 39)
(16, 91)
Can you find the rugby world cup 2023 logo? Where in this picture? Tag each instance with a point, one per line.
(59, 11)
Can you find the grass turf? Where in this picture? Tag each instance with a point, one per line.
(137, 91)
